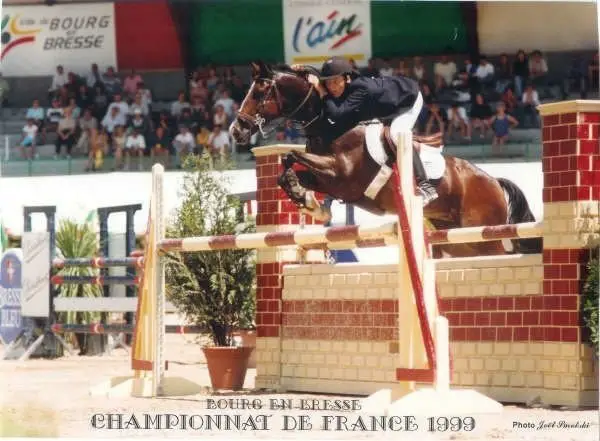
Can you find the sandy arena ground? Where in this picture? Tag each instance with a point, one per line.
(51, 398)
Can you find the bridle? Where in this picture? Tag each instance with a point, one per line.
(259, 120)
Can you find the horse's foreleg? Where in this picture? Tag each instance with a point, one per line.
(321, 165)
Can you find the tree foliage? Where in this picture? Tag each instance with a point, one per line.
(214, 289)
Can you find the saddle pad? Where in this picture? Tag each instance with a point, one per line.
(432, 158)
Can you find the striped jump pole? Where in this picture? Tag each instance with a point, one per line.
(316, 236)
(99, 328)
(485, 234)
(100, 262)
(94, 280)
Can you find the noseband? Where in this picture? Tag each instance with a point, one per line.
(259, 120)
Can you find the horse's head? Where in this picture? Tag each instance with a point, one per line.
(275, 95)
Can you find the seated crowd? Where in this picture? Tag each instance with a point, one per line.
(101, 115)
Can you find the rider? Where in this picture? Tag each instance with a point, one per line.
(350, 98)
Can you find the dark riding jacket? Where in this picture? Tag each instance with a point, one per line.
(366, 98)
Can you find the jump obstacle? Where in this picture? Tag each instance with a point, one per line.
(351, 328)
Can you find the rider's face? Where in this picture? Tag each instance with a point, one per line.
(335, 86)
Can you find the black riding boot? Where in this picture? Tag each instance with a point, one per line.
(426, 189)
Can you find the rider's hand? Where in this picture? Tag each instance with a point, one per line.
(316, 83)
(297, 67)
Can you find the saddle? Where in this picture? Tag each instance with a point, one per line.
(391, 147)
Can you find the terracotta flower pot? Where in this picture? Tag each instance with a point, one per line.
(227, 366)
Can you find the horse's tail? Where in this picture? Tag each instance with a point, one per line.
(519, 212)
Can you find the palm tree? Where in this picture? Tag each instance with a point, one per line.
(78, 240)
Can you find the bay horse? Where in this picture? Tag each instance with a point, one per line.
(342, 167)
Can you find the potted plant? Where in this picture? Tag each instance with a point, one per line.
(79, 240)
(213, 289)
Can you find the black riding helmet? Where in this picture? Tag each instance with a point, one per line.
(335, 67)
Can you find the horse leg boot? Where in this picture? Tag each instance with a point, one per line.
(425, 187)
(304, 199)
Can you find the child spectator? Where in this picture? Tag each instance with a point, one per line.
(501, 123)
(530, 102)
(134, 146)
(36, 113)
(118, 145)
(28, 139)
(98, 149)
(481, 112)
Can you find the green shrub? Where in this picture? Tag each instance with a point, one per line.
(590, 303)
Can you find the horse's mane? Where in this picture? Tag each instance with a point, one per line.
(285, 68)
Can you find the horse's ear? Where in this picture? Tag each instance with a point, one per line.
(260, 70)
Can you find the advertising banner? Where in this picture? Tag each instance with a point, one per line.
(317, 29)
(35, 300)
(35, 39)
(11, 322)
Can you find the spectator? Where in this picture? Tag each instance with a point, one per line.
(112, 119)
(228, 74)
(457, 119)
(98, 149)
(63, 96)
(187, 120)
(202, 139)
(226, 102)
(86, 124)
(503, 74)
(135, 145)
(138, 104)
(130, 85)
(112, 83)
(160, 146)
(444, 72)
(84, 99)
(212, 80)
(238, 90)
(485, 71)
(199, 114)
(418, 69)
(218, 143)
(577, 78)
(139, 123)
(290, 133)
(510, 101)
(36, 113)
(400, 69)
(370, 70)
(58, 80)
(72, 85)
(66, 133)
(166, 123)
(530, 102)
(481, 112)
(184, 144)
(94, 78)
(75, 110)
(118, 102)
(53, 116)
(386, 70)
(220, 117)
(100, 103)
(520, 72)
(435, 121)
(179, 105)
(198, 90)
(118, 145)
(501, 123)
(28, 138)
(146, 97)
(538, 69)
